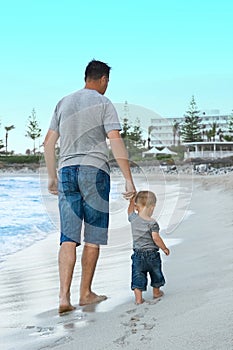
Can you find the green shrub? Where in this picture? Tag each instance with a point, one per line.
(20, 159)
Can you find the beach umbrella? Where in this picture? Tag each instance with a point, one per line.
(153, 151)
(166, 150)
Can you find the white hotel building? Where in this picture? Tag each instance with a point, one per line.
(162, 128)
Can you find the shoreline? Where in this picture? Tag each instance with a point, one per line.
(225, 182)
(194, 313)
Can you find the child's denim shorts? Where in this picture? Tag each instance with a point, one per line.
(144, 262)
(83, 193)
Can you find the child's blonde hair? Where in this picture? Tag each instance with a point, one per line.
(145, 198)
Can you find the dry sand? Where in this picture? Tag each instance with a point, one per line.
(195, 312)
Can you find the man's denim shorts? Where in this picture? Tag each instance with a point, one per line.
(144, 262)
(83, 193)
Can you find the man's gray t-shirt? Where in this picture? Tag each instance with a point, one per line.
(83, 120)
(142, 232)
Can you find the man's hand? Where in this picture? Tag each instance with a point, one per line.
(52, 186)
(130, 190)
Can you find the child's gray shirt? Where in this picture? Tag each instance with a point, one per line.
(142, 232)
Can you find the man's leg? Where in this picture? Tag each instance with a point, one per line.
(67, 259)
(89, 260)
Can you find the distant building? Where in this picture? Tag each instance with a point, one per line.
(211, 149)
(162, 129)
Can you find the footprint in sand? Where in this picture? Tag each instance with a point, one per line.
(122, 340)
(42, 331)
(153, 302)
(144, 339)
(148, 327)
(131, 311)
(134, 326)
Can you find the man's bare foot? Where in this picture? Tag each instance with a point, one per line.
(158, 295)
(66, 308)
(65, 304)
(92, 298)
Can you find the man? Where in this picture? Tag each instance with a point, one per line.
(83, 120)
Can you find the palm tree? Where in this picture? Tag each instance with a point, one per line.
(1, 142)
(175, 129)
(209, 135)
(213, 130)
(229, 136)
(150, 129)
(220, 135)
(8, 128)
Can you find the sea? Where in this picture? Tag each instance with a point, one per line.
(23, 217)
(26, 215)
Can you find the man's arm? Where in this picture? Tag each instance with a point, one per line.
(50, 160)
(121, 156)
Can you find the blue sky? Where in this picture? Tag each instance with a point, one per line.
(161, 53)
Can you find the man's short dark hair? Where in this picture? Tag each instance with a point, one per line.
(96, 69)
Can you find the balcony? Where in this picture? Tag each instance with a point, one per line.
(208, 150)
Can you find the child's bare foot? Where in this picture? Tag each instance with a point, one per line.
(140, 301)
(158, 294)
(92, 298)
(138, 296)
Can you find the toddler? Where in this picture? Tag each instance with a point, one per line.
(146, 244)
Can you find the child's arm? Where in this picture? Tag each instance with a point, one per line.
(131, 205)
(160, 243)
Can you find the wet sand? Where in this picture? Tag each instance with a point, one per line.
(195, 312)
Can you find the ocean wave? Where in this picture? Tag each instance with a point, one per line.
(24, 219)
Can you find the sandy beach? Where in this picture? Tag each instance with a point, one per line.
(195, 312)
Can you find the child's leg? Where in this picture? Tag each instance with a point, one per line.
(157, 293)
(156, 274)
(138, 296)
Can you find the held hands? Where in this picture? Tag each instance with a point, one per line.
(52, 186)
(130, 190)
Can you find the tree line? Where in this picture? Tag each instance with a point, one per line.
(189, 130)
(33, 131)
(192, 130)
